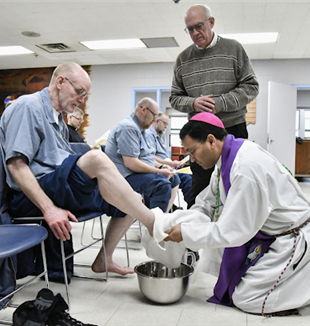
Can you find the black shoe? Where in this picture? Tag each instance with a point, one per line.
(36, 312)
(174, 208)
(64, 319)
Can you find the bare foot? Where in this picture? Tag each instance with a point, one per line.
(113, 268)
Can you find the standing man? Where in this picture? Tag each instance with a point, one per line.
(214, 75)
(155, 133)
(75, 120)
(133, 155)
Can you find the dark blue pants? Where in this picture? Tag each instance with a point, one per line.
(155, 187)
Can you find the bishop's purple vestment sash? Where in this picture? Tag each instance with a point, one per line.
(236, 260)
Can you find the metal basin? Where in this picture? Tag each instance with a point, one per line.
(161, 284)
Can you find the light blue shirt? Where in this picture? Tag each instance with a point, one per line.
(157, 142)
(28, 127)
(128, 138)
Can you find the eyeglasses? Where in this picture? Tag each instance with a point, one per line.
(79, 90)
(192, 151)
(198, 27)
(79, 120)
(165, 123)
(154, 115)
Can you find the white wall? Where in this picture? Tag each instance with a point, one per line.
(110, 96)
(110, 99)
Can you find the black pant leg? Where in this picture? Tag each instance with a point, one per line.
(239, 131)
(200, 180)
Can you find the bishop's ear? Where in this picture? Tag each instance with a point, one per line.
(211, 139)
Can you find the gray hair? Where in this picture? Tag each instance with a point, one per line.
(206, 9)
(160, 115)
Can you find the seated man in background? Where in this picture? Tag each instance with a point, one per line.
(75, 120)
(155, 133)
(128, 147)
(46, 177)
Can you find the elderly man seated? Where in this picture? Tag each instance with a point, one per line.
(46, 177)
(155, 134)
(133, 155)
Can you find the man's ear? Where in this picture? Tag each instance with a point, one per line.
(211, 139)
(212, 21)
(59, 81)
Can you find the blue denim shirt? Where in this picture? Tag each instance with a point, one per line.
(28, 127)
(157, 142)
(128, 139)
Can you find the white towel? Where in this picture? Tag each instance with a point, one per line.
(167, 252)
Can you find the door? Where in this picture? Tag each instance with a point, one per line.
(282, 102)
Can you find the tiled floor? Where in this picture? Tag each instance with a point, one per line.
(120, 302)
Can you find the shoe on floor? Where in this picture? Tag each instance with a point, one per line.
(64, 319)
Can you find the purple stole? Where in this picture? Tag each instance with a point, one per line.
(237, 260)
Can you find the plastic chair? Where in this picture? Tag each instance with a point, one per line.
(15, 239)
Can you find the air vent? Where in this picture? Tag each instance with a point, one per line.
(55, 47)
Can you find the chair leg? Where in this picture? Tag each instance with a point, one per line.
(92, 230)
(44, 264)
(127, 251)
(91, 233)
(63, 258)
(103, 250)
(82, 234)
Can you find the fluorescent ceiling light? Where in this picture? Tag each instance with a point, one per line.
(12, 50)
(253, 38)
(114, 44)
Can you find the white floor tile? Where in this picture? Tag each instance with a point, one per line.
(119, 301)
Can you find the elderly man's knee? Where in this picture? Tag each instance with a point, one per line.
(96, 160)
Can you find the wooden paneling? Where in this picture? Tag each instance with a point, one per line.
(302, 158)
(251, 115)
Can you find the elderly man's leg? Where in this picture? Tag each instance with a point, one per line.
(173, 195)
(114, 188)
(116, 228)
(175, 182)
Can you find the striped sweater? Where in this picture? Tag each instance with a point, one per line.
(224, 71)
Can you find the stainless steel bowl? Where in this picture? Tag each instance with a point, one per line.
(161, 284)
